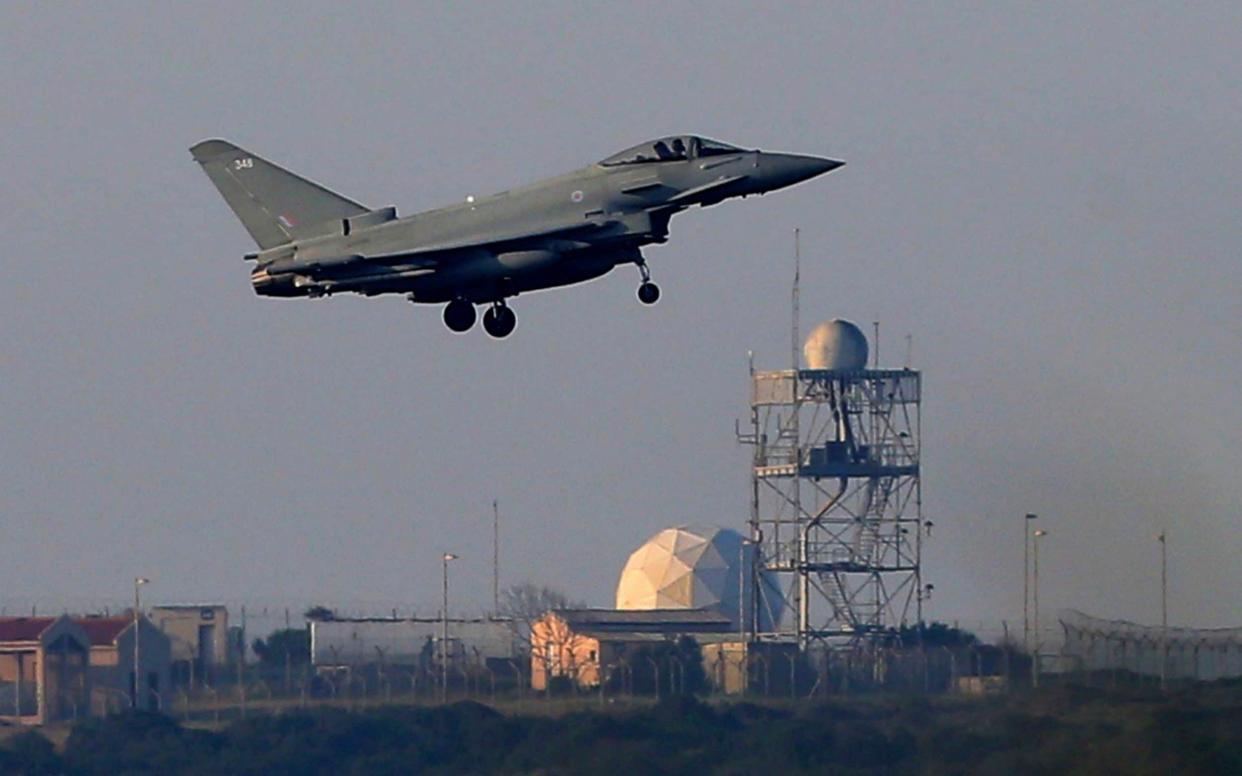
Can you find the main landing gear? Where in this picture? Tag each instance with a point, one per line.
(459, 315)
(648, 292)
(498, 320)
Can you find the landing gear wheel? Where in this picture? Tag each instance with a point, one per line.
(499, 321)
(459, 315)
(648, 292)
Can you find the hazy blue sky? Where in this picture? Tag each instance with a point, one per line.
(1046, 196)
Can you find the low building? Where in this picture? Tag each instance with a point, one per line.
(199, 636)
(585, 644)
(112, 664)
(411, 642)
(44, 674)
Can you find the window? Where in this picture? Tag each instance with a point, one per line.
(669, 149)
(708, 147)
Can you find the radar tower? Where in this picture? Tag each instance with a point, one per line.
(836, 500)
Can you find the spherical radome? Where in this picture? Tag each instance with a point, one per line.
(836, 344)
(695, 568)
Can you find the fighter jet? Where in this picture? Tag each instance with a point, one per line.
(568, 229)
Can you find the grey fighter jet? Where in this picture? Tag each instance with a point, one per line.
(559, 231)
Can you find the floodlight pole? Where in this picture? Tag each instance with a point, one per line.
(1026, 581)
(444, 632)
(138, 583)
(1164, 612)
(1039, 533)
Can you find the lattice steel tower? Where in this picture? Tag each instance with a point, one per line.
(836, 499)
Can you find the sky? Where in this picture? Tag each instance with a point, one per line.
(1043, 196)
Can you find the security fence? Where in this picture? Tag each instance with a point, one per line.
(759, 673)
(1118, 647)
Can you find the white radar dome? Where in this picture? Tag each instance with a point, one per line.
(696, 568)
(836, 344)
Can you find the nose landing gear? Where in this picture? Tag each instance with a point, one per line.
(648, 292)
(499, 321)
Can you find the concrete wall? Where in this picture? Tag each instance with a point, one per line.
(182, 626)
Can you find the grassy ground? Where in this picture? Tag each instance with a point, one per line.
(1074, 729)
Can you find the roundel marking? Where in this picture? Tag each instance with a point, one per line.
(576, 196)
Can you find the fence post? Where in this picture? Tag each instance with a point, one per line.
(215, 705)
(792, 657)
(655, 667)
(517, 679)
(952, 669)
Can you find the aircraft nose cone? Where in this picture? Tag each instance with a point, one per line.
(780, 170)
(818, 165)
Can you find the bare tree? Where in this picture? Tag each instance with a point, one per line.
(527, 602)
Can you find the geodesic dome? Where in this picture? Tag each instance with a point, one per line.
(695, 568)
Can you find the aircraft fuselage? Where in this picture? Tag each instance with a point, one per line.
(556, 232)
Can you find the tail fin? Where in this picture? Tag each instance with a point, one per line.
(274, 205)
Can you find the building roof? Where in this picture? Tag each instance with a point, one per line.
(645, 620)
(103, 631)
(24, 628)
(421, 620)
(626, 637)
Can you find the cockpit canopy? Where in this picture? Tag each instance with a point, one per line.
(671, 149)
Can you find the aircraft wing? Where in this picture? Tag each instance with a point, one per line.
(563, 237)
(502, 239)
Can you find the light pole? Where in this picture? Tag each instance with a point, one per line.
(1164, 612)
(138, 583)
(1039, 534)
(1026, 581)
(444, 632)
(495, 558)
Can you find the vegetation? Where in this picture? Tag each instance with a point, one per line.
(935, 634)
(319, 613)
(1070, 729)
(289, 646)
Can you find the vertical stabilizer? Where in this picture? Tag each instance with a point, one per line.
(274, 205)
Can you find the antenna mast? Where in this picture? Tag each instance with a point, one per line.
(796, 282)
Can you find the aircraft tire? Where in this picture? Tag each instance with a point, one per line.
(499, 321)
(459, 315)
(648, 293)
